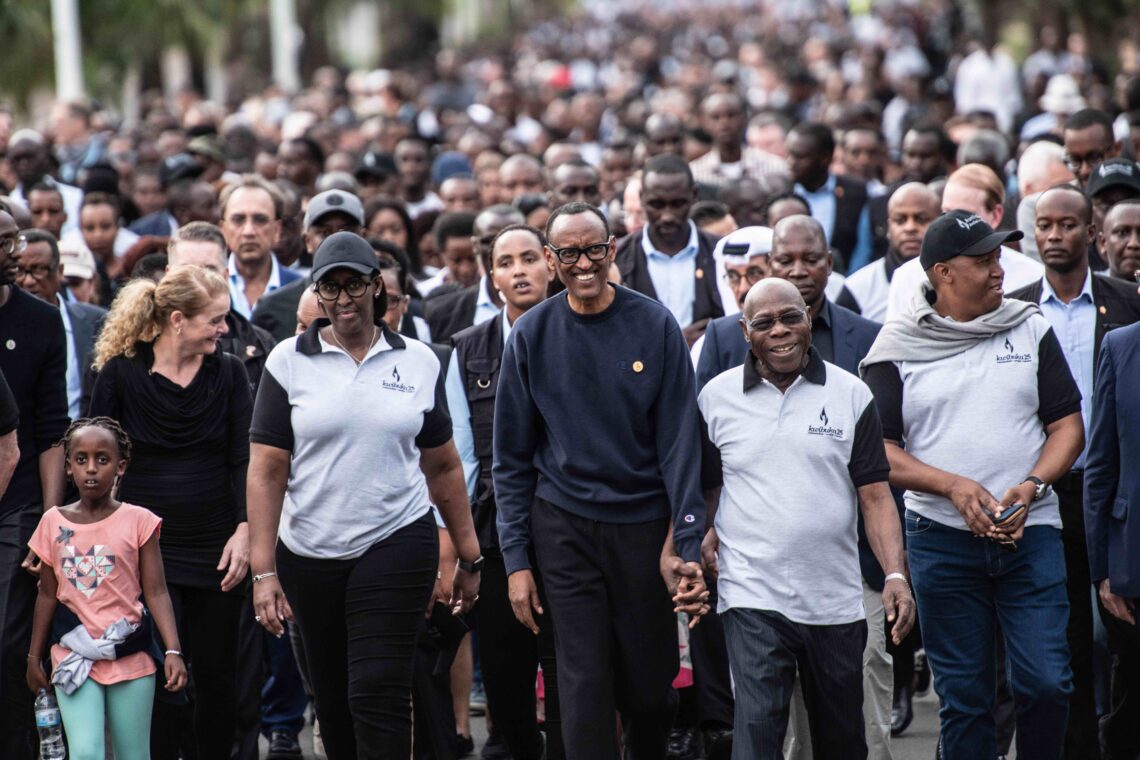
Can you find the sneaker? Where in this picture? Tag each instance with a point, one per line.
(495, 748)
(464, 745)
(478, 701)
(283, 745)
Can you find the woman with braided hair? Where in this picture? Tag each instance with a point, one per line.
(186, 406)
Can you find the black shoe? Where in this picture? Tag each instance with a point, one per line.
(902, 712)
(684, 744)
(283, 745)
(464, 745)
(495, 748)
(718, 744)
(921, 673)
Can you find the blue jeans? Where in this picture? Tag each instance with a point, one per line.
(965, 586)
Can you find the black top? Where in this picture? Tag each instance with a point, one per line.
(190, 451)
(33, 359)
(9, 412)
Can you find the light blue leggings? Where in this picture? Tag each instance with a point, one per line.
(127, 707)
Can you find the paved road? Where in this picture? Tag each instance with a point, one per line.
(916, 744)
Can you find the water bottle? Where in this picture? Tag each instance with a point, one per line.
(50, 726)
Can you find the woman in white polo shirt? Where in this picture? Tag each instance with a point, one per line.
(350, 436)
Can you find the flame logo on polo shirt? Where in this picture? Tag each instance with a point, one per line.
(395, 384)
(1011, 356)
(825, 429)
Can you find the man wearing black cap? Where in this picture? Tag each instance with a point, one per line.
(329, 212)
(1081, 307)
(1115, 180)
(377, 175)
(978, 391)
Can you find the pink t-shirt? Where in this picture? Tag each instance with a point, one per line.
(97, 572)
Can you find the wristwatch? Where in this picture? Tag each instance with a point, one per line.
(472, 567)
(1042, 487)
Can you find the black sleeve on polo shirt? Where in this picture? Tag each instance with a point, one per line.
(1057, 392)
(9, 412)
(868, 453)
(436, 429)
(712, 476)
(272, 423)
(885, 382)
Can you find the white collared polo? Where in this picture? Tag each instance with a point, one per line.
(790, 465)
(355, 434)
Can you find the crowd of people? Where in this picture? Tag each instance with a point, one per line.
(686, 381)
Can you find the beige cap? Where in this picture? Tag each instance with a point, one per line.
(77, 260)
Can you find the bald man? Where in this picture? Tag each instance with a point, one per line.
(789, 596)
(910, 211)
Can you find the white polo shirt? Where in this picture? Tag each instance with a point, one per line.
(981, 414)
(790, 465)
(355, 435)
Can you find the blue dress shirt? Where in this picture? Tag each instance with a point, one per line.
(1075, 326)
(674, 277)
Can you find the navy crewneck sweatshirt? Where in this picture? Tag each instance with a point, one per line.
(597, 415)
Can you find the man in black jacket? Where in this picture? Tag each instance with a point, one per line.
(1081, 306)
(33, 359)
(671, 260)
(451, 309)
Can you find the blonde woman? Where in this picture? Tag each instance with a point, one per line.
(186, 406)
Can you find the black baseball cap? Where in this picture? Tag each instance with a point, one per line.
(961, 233)
(344, 249)
(376, 165)
(1114, 172)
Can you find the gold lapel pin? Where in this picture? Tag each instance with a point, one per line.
(638, 366)
(1103, 310)
(700, 273)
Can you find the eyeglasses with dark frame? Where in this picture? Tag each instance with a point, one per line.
(570, 254)
(787, 319)
(36, 272)
(328, 290)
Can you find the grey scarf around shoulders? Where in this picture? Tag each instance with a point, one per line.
(922, 335)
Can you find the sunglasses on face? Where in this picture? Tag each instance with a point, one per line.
(787, 319)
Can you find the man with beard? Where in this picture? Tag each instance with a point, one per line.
(1120, 240)
(910, 211)
(1081, 306)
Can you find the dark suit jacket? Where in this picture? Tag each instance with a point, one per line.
(635, 274)
(850, 198)
(851, 338)
(86, 322)
(276, 312)
(1112, 479)
(451, 311)
(1117, 305)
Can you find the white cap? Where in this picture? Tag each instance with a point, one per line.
(77, 260)
(740, 245)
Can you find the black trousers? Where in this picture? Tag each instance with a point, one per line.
(710, 668)
(207, 621)
(250, 677)
(615, 633)
(765, 650)
(359, 619)
(17, 600)
(433, 712)
(1081, 742)
(510, 655)
(1121, 726)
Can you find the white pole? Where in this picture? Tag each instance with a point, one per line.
(68, 52)
(285, 37)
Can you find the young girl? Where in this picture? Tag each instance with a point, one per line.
(99, 556)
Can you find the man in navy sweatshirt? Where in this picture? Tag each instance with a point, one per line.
(597, 453)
